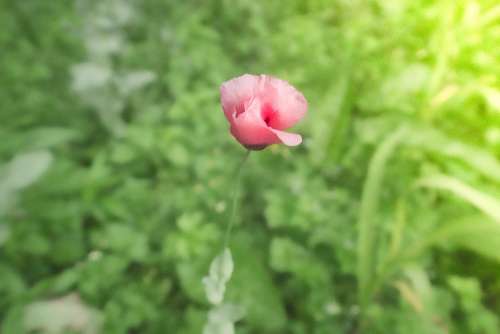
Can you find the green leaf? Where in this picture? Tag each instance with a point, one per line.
(288, 256)
(24, 169)
(60, 315)
(492, 97)
(123, 239)
(4, 233)
(220, 273)
(430, 305)
(11, 285)
(90, 76)
(410, 80)
(480, 236)
(435, 141)
(476, 233)
(329, 136)
(221, 319)
(369, 209)
(19, 173)
(252, 286)
(478, 318)
(132, 81)
(484, 202)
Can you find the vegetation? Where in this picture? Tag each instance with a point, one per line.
(117, 166)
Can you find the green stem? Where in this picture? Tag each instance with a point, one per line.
(235, 197)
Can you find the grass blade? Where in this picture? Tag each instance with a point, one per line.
(486, 203)
(369, 208)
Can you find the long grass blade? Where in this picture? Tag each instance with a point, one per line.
(369, 207)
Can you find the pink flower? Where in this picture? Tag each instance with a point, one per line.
(259, 108)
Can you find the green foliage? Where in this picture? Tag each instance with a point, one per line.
(369, 206)
(479, 318)
(116, 167)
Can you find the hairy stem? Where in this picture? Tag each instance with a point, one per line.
(235, 197)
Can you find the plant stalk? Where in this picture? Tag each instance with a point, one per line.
(235, 197)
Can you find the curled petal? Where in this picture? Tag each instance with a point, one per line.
(236, 92)
(287, 138)
(249, 128)
(290, 104)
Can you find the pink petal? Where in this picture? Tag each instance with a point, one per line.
(290, 104)
(287, 138)
(249, 128)
(237, 91)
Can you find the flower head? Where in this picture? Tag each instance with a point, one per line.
(259, 108)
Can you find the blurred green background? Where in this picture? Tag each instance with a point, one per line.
(116, 166)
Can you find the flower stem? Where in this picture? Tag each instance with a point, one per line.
(235, 196)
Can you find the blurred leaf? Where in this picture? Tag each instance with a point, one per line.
(132, 81)
(11, 285)
(436, 141)
(329, 135)
(60, 315)
(487, 204)
(104, 44)
(46, 137)
(123, 239)
(431, 304)
(221, 319)
(287, 256)
(20, 172)
(252, 287)
(410, 80)
(43, 137)
(492, 96)
(220, 273)
(480, 236)
(24, 169)
(476, 233)
(4, 232)
(90, 76)
(369, 207)
(479, 319)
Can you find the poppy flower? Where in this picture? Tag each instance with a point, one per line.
(259, 108)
